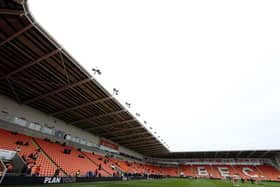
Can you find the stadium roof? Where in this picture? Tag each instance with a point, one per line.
(220, 154)
(36, 71)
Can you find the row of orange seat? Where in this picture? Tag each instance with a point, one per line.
(8, 142)
(258, 172)
(102, 165)
(70, 163)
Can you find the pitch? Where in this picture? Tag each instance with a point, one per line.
(160, 183)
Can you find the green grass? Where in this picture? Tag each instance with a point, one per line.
(159, 183)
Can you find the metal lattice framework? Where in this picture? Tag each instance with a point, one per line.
(36, 71)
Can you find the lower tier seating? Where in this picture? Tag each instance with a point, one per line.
(270, 172)
(25, 147)
(70, 163)
(104, 163)
(52, 154)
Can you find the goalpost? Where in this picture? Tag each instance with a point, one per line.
(3, 171)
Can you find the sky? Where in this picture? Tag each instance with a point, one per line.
(205, 75)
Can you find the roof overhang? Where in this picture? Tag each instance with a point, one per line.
(36, 71)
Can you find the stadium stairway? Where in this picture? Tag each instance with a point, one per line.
(216, 171)
(70, 163)
(138, 167)
(96, 162)
(263, 176)
(186, 169)
(212, 171)
(8, 142)
(234, 169)
(240, 173)
(192, 170)
(121, 165)
(35, 143)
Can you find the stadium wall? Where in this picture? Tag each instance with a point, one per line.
(30, 114)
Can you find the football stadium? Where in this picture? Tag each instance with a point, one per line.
(59, 126)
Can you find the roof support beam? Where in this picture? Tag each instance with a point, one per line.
(46, 56)
(13, 90)
(121, 131)
(81, 106)
(17, 1)
(131, 135)
(265, 153)
(156, 152)
(216, 154)
(152, 142)
(239, 154)
(110, 125)
(145, 145)
(204, 155)
(64, 67)
(11, 12)
(137, 139)
(57, 91)
(97, 117)
(16, 34)
(249, 155)
(227, 154)
(150, 149)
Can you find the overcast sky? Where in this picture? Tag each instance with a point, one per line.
(204, 74)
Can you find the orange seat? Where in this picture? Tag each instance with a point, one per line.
(8, 142)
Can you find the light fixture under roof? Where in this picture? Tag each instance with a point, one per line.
(115, 91)
(96, 71)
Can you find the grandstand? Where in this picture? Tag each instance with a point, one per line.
(53, 108)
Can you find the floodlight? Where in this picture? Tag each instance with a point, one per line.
(96, 70)
(128, 104)
(115, 91)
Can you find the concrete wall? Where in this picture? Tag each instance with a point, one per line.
(33, 115)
